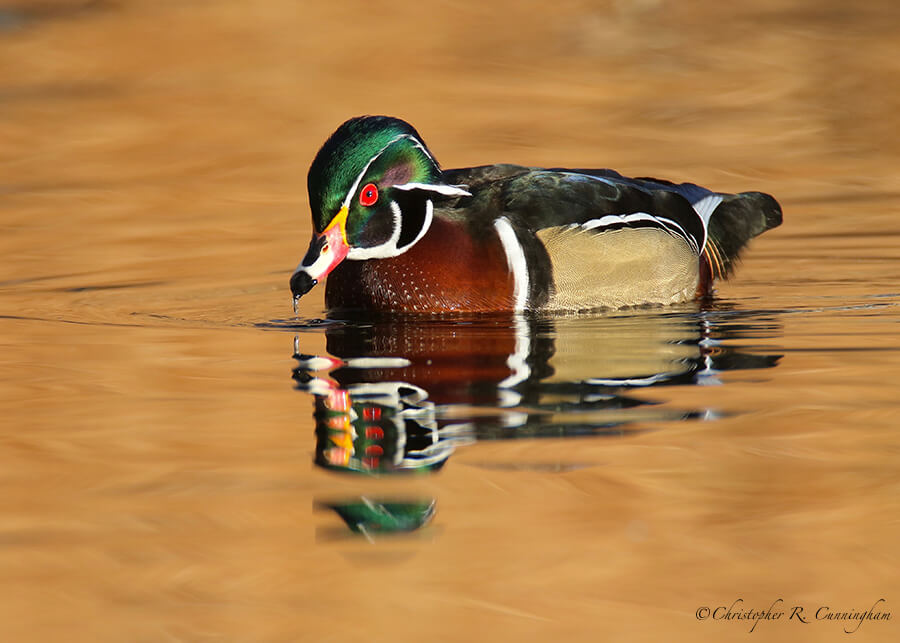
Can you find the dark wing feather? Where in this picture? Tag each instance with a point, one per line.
(602, 199)
(478, 178)
(731, 224)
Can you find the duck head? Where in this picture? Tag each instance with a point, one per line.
(371, 190)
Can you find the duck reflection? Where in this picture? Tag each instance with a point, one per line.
(399, 395)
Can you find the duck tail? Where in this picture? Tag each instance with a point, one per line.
(736, 220)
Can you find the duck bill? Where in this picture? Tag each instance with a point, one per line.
(326, 251)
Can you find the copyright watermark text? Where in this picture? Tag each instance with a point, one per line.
(851, 618)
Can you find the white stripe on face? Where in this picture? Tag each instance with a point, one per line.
(355, 187)
(389, 248)
(446, 190)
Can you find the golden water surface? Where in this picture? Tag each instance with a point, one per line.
(157, 440)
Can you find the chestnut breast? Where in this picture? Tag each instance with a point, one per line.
(447, 270)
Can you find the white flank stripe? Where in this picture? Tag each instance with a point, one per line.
(515, 260)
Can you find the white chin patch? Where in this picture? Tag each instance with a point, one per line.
(318, 267)
(389, 248)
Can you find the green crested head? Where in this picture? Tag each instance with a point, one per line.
(378, 151)
(372, 189)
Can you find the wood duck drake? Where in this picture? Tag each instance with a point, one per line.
(393, 232)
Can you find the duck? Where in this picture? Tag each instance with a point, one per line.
(393, 232)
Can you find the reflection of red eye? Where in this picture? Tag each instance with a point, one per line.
(369, 195)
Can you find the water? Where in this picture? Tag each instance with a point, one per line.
(171, 432)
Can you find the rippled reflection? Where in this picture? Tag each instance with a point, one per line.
(399, 395)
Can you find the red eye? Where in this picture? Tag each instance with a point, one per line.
(369, 195)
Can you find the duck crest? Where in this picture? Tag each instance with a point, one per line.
(351, 150)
